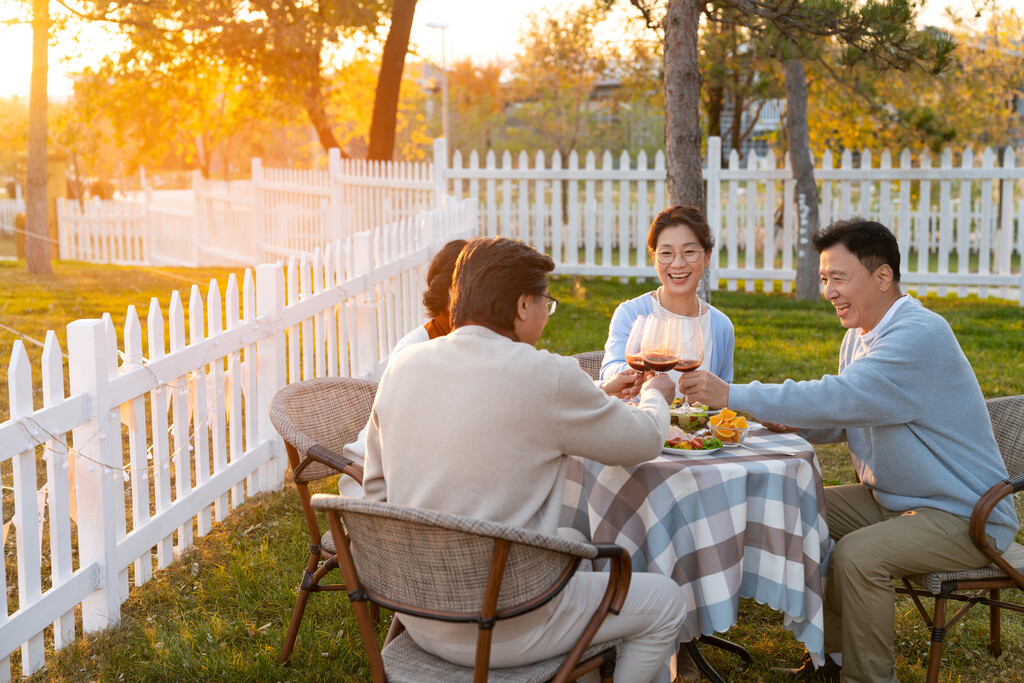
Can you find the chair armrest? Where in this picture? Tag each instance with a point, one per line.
(607, 550)
(325, 456)
(980, 514)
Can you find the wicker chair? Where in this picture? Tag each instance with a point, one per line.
(457, 569)
(979, 586)
(317, 418)
(591, 361)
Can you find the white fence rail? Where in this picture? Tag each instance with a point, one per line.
(961, 228)
(164, 434)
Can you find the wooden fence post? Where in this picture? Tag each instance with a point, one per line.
(97, 461)
(270, 350)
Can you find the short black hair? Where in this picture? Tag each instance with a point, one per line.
(439, 277)
(490, 276)
(871, 242)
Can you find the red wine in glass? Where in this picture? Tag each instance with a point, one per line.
(685, 365)
(637, 363)
(660, 362)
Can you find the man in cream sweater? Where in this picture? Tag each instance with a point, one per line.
(907, 403)
(479, 423)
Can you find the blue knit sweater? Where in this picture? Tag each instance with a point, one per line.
(909, 406)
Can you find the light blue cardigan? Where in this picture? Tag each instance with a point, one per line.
(909, 406)
(722, 335)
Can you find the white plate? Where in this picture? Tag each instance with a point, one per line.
(684, 451)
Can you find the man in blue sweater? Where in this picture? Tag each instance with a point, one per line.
(907, 403)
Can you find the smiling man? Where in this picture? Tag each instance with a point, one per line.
(902, 375)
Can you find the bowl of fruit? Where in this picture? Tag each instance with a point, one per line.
(731, 428)
(690, 416)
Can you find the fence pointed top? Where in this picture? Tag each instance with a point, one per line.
(905, 158)
(659, 160)
(641, 159)
(846, 158)
(490, 159)
(865, 158)
(19, 363)
(1009, 158)
(624, 160)
(52, 353)
(539, 159)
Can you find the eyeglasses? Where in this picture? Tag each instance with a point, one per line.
(552, 303)
(666, 256)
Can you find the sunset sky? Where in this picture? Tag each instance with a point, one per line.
(481, 30)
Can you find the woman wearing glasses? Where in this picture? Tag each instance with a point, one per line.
(680, 245)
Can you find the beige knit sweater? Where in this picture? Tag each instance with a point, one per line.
(478, 425)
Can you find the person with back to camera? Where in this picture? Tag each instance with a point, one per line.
(680, 244)
(902, 375)
(435, 300)
(494, 446)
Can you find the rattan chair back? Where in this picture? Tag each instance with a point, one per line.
(1007, 414)
(458, 569)
(321, 415)
(316, 418)
(981, 586)
(591, 361)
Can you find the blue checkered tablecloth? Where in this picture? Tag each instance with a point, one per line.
(745, 522)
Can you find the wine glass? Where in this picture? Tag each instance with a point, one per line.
(634, 355)
(659, 347)
(689, 347)
(689, 344)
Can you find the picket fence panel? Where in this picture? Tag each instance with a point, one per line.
(9, 208)
(156, 444)
(960, 227)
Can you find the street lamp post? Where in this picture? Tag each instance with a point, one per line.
(444, 81)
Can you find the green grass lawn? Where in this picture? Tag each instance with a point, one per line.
(220, 612)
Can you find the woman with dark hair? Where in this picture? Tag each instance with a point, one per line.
(435, 300)
(680, 244)
(494, 446)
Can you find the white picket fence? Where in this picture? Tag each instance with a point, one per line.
(9, 208)
(134, 496)
(279, 213)
(959, 227)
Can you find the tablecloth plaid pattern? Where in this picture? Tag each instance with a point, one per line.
(742, 522)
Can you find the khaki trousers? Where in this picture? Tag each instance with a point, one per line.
(873, 546)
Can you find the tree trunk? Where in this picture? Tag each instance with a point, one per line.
(389, 82)
(313, 102)
(807, 283)
(716, 104)
(682, 103)
(37, 246)
(682, 111)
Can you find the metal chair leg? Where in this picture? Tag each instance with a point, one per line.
(706, 669)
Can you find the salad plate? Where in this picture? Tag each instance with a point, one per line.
(669, 450)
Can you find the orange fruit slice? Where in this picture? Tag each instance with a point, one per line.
(727, 414)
